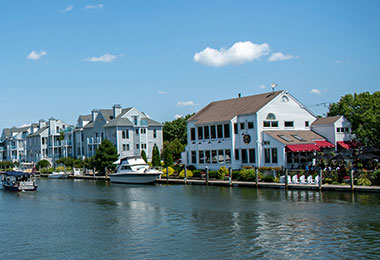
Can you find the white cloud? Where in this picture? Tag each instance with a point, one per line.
(185, 103)
(96, 6)
(262, 86)
(104, 58)
(176, 116)
(240, 52)
(277, 56)
(315, 91)
(67, 9)
(161, 92)
(35, 55)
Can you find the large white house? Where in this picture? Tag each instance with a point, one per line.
(266, 130)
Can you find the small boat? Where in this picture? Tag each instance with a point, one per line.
(134, 170)
(58, 175)
(19, 181)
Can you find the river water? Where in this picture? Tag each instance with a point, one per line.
(70, 219)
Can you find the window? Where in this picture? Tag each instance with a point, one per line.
(213, 132)
(228, 156)
(207, 132)
(123, 134)
(220, 156)
(267, 155)
(299, 138)
(289, 123)
(236, 131)
(274, 155)
(284, 137)
(192, 134)
(193, 157)
(207, 155)
(252, 156)
(201, 157)
(213, 155)
(124, 147)
(57, 129)
(266, 142)
(271, 116)
(127, 147)
(250, 125)
(346, 130)
(200, 133)
(155, 133)
(220, 131)
(237, 157)
(227, 130)
(137, 131)
(306, 123)
(241, 126)
(244, 158)
(134, 120)
(137, 146)
(285, 99)
(270, 123)
(143, 130)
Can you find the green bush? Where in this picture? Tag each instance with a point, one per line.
(335, 183)
(236, 175)
(268, 178)
(327, 180)
(363, 179)
(189, 173)
(223, 171)
(197, 173)
(247, 174)
(212, 174)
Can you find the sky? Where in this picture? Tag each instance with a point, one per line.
(62, 59)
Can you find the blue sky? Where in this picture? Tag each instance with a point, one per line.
(169, 58)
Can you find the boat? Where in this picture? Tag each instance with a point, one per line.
(19, 181)
(134, 169)
(58, 175)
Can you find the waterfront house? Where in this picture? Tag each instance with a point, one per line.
(265, 130)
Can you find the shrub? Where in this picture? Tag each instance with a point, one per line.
(327, 180)
(197, 173)
(222, 172)
(191, 167)
(60, 169)
(363, 179)
(247, 174)
(170, 169)
(236, 175)
(268, 178)
(182, 173)
(212, 174)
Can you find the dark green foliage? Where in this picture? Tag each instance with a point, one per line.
(176, 147)
(268, 178)
(168, 158)
(61, 136)
(223, 171)
(105, 155)
(156, 156)
(176, 129)
(363, 111)
(89, 163)
(43, 164)
(143, 155)
(67, 161)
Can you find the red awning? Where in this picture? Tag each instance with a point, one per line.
(324, 144)
(302, 148)
(348, 144)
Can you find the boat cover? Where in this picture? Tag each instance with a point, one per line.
(16, 174)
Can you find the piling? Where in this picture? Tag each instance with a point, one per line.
(320, 180)
(185, 174)
(286, 178)
(257, 177)
(352, 179)
(230, 176)
(167, 174)
(206, 175)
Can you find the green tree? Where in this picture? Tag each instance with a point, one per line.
(168, 158)
(105, 155)
(67, 161)
(43, 164)
(363, 111)
(176, 147)
(61, 136)
(156, 156)
(143, 155)
(176, 129)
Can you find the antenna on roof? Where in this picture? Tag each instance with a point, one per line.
(273, 85)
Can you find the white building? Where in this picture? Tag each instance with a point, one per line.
(266, 130)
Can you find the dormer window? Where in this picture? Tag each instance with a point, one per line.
(271, 116)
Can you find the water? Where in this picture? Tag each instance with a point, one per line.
(69, 219)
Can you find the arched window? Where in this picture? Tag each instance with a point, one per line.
(271, 116)
(285, 99)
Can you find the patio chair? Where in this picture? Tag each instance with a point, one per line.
(316, 179)
(295, 179)
(303, 179)
(310, 180)
(289, 180)
(282, 179)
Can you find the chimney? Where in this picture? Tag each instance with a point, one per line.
(94, 114)
(41, 123)
(116, 110)
(52, 129)
(239, 95)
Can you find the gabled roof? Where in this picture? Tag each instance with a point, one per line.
(152, 122)
(38, 132)
(225, 110)
(287, 136)
(326, 120)
(119, 122)
(85, 117)
(7, 132)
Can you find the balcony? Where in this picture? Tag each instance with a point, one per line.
(94, 140)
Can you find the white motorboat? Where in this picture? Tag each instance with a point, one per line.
(19, 181)
(58, 175)
(134, 170)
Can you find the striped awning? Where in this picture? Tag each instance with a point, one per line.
(324, 144)
(295, 148)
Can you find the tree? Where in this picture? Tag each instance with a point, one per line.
(43, 164)
(156, 156)
(363, 111)
(176, 147)
(67, 161)
(105, 155)
(143, 155)
(168, 158)
(176, 129)
(61, 136)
